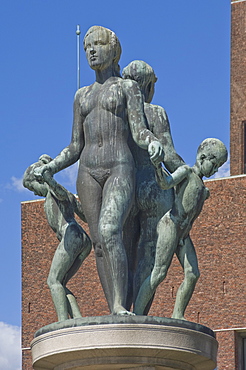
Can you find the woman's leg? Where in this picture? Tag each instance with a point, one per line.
(166, 245)
(90, 195)
(153, 203)
(117, 199)
(131, 232)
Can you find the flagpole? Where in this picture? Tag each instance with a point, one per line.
(78, 56)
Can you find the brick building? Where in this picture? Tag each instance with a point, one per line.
(219, 299)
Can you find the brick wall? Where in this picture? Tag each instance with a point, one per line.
(238, 87)
(219, 299)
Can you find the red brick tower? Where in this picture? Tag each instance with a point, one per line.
(238, 87)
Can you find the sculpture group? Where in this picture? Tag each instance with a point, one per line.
(136, 193)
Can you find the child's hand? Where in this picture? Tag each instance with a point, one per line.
(187, 168)
(39, 173)
(47, 176)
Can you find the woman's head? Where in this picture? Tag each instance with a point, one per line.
(102, 47)
(144, 75)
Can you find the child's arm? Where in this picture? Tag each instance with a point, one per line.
(78, 209)
(60, 192)
(167, 181)
(30, 182)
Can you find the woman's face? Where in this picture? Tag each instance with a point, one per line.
(99, 52)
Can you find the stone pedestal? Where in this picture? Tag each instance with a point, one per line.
(111, 342)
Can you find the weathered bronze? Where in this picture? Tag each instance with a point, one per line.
(174, 227)
(136, 223)
(105, 114)
(75, 244)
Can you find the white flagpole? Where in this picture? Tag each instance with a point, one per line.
(78, 56)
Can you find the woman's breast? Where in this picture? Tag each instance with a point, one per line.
(108, 97)
(112, 99)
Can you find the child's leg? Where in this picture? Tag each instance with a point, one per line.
(67, 251)
(73, 308)
(168, 236)
(55, 281)
(188, 260)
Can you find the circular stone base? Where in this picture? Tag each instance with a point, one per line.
(140, 342)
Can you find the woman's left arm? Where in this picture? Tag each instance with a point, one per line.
(137, 120)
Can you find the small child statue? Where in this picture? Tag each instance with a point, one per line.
(75, 245)
(174, 227)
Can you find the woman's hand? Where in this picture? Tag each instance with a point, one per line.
(39, 173)
(156, 152)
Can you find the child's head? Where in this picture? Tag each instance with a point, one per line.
(144, 75)
(29, 180)
(211, 154)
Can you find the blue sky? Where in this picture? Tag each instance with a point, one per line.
(186, 42)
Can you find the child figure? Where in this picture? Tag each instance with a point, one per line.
(75, 244)
(174, 227)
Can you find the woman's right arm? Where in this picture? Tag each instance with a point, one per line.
(71, 153)
(162, 131)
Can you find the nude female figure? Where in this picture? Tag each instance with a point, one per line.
(151, 202)
(105, 114)
(75, 244)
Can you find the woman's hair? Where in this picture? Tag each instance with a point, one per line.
(113, 40)
(141, 72)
